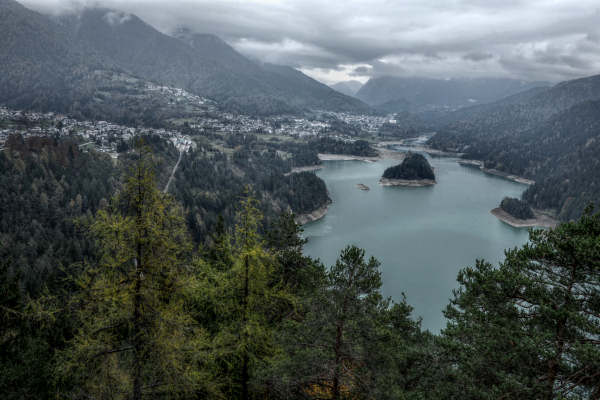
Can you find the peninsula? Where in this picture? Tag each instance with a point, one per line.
(519, 214)
(414, 171)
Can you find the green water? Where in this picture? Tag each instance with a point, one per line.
(422, 236)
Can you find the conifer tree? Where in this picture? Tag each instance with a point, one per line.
(136, 340)
(530, 328)
(299, 272)
(327, 344)
(247, 299)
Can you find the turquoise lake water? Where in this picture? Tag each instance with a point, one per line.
(421, 236)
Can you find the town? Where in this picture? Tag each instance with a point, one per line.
(103, 136)
(111, 138)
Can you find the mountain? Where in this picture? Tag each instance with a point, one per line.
(308, 90)
(422, 94)
(39, 61)
(204, 65)
(550, 135)
(518, 113)
(44, 67)
(62, 63)
(349, 88)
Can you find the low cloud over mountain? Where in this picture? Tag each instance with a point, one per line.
(339, 39)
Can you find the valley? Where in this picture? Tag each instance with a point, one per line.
(299, 200)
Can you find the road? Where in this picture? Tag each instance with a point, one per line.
(166, 189)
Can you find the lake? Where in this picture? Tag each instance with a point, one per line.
(422, 236)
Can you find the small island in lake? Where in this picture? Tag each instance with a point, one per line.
(362, 186)
(413, 171)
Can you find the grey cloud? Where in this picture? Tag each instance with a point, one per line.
(361, 71)
(528, 39)
(477, 56)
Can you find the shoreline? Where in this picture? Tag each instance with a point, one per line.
(346, 157)
(316, 215)
(541, 219)
(385, 153)
(407, 182)
(479, 165)
(383, 145)
(307, 168)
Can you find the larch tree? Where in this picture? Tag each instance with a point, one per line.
(136, 339)
(247, 298)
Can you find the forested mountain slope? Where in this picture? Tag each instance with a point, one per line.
(53, 63)
(420, 94)
(550, 136)
(520, 112)
(349, 88)
(39, 61)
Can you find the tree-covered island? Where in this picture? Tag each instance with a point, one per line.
(413, 171)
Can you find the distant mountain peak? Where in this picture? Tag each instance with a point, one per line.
(349, 88)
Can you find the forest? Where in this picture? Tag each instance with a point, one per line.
(517, 208)
(558, 151)
(114, 297)
(208, 183)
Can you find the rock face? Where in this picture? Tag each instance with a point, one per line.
(413, 171)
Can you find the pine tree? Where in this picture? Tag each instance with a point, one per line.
(136, 340)
(300, 273)
(529, 328)
(327, 344)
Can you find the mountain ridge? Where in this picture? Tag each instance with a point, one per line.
(68, 50)
(549, 135)
(422, 94)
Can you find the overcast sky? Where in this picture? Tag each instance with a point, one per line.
(335, 40)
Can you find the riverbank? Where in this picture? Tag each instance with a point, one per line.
(317, 214)
(541, 220)
(406, 182)
(479, 165)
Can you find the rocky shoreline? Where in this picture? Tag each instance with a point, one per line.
(479, 165)
(541, 219)
(406, 182)
(317, 214)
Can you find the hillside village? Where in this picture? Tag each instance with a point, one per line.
(104, 136)
(107, 136)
